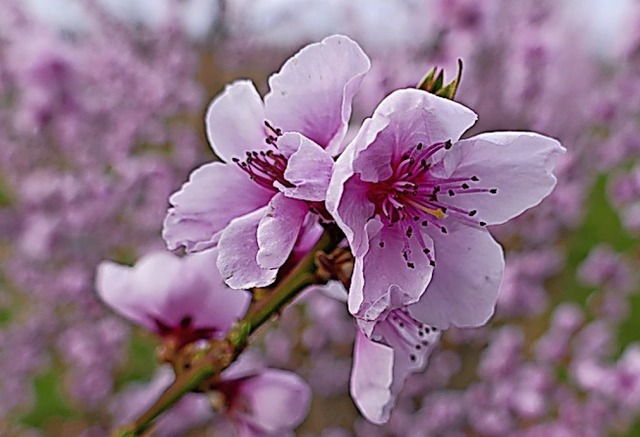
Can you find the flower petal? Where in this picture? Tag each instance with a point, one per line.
(382, 276)
(402, 120)
(466, 280)
(372, 378)
(276, 401)
(313, 91)
(113, 284)
(348, 203)
(202, 207)
(164, 288)
(238, 248)
(309, 168)
(518, 164)
(410, 343)
(235, 121)
(279, 229)
(207, 299)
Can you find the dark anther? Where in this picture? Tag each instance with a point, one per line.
(483, 223)
(236, 160)
(493, 191)
(425, 223)
(426, 250)
(416, 218)
(452, 193)
(432, 263)
(185, 322)
(418, 347)
(419, 146)
(472, 212)
(465, 186)
(405, 255)
(448, 144)
(412, 357)
(381, 244)
(474, 178)
(411, 265)
(426, 330)
(443, 230)
(409, 232)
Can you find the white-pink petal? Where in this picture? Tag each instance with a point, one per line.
(277, 401)
(518, 164)
(313, 91)
(382, 275)
(371, 378)
(235, 121)
(464, 288)
(202, 207)
(238, 250)
(309, 168)
(279, 229)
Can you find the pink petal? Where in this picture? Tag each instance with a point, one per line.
(238, 249)
(372, 378)
(466, 280)
(279, 229)
(204, 295)
(347, 196)
(348, 203)
(202, 207)
(401, 121)
(113, 284)
(235, 121)
(162, 287)
(277, 401)
(382, 277)
(309, 168)
(518, 164)
(313, 91)
(410, 342)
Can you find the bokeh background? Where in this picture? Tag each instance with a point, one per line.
(101, 118)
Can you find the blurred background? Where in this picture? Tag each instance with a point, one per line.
(101, 118)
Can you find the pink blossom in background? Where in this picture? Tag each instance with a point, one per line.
(182, 299)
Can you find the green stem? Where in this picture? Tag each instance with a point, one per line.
(224, 352)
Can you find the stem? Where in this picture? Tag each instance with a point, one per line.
(224, 352)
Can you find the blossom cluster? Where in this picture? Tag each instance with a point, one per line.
(412, 199)
(99, 126)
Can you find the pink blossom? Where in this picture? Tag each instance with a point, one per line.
(183, 299)
(383, 356)
(410, 195)
(277, 163)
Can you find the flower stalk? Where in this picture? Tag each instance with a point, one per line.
(222, 353)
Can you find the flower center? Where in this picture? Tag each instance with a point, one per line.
(413, 196)
(402, 331)
(266, 167)
(183, 333)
